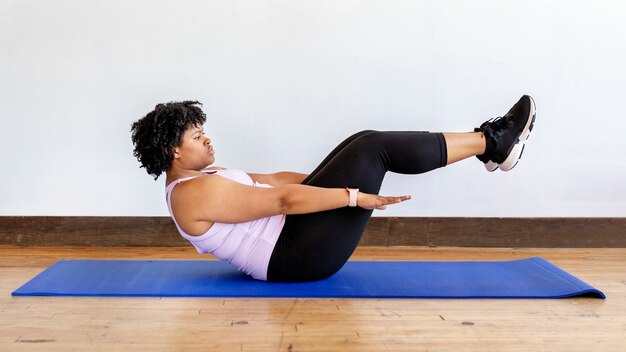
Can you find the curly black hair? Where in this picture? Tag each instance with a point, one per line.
(157, 134)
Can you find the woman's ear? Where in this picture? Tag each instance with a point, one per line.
(175, 152)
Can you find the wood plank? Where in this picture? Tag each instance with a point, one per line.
(286, 324)
(509, 232)
(380, 231)
(89, 231)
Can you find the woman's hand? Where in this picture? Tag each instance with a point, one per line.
(373, 201)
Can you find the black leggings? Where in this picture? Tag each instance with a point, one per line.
(316, 245)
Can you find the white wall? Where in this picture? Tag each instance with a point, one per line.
(283, 82)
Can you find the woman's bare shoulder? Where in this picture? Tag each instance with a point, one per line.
(184, 201)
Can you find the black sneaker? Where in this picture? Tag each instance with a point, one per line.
(509, 132)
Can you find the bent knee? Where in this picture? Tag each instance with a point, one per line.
(362, 133)
(373, 138)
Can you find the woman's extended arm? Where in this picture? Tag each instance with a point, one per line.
(279, 178)
(288, 178)
(302, 199)
(219, 199)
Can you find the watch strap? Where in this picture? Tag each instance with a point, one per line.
(353, 196)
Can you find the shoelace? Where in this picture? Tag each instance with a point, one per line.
(494, 125)
(498, 123)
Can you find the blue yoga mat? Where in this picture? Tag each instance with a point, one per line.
(527, 278)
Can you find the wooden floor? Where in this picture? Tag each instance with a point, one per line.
(207, 324)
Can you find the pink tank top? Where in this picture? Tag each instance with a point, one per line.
(247, 245)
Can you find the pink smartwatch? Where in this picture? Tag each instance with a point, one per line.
(353, 196)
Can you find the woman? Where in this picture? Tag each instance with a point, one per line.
(294, 227)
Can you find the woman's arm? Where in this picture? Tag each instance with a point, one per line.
(279, 178)
(302, 199)
(219, 199)
(288, 178)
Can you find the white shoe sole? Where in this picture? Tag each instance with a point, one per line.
(491, 166)
(518, 148)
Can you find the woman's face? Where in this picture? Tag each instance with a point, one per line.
(195, 151)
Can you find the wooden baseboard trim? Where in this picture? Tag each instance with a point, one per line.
(26, 231)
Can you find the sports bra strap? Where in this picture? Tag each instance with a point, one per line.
(169, 187)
